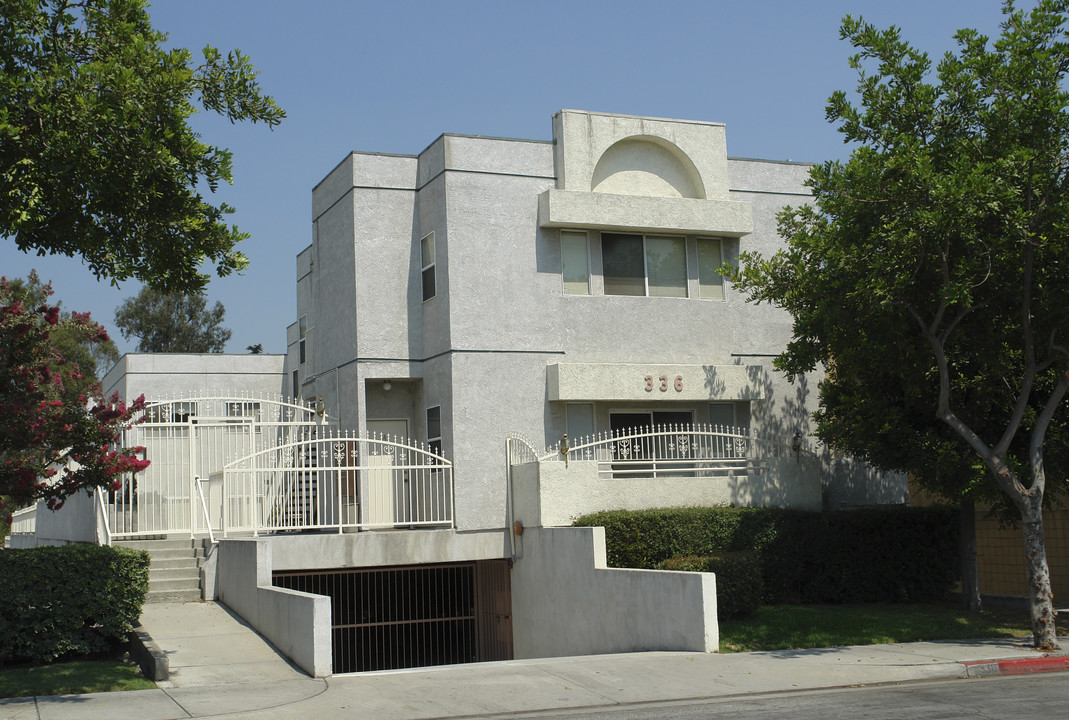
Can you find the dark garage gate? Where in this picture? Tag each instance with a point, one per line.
(383, 618)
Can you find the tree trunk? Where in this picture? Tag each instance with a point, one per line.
(1041, 599)
(970, 570)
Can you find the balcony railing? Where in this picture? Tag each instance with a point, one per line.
(697, 451)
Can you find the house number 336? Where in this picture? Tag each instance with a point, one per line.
(661, 383)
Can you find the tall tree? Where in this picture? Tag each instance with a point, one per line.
(54, 438)
(97, 158)
(172, 322)
(941, 244)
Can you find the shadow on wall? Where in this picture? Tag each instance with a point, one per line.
(846, 482)
(857, 483)
(776, 418)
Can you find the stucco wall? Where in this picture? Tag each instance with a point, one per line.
(75, 522)
(552, 494)
(161, 375)
(565, 601)
(296, 623)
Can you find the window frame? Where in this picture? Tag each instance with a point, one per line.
(572, 420)
(575, 235)
(430, 267)
(717, 289)
(434, 442)
(302, 334)
(620, 280)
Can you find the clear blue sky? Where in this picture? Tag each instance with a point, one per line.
(391, 76)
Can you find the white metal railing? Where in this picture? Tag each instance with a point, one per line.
(190, 436)
(102, 512)
(326, 480)
(204, 509)
(676, 451)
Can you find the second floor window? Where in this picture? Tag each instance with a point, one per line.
(644, 265)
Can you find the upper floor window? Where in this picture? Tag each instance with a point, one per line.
(302, 331)
(644, 265)
(434, 429)
(427, 255)
(575, 262)
(710, 258)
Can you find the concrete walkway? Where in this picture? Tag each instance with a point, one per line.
(221, 668)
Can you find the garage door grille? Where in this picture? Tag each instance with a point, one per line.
(386, 618)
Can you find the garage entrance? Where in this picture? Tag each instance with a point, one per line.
(385, 618)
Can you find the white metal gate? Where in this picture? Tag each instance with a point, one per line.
(195, 437)
(323, 479)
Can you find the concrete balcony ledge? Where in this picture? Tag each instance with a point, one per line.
(637, 213)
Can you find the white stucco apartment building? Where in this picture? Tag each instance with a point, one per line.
(489, 285)
(457, 311)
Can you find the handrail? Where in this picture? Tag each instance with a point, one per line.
(204, 507)
(103, 515)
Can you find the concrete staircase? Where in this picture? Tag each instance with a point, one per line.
(174, 575)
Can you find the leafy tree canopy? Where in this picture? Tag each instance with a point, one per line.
(172, 323)
(54, 438)
(94, 355)
(97, 158)
(928, 276)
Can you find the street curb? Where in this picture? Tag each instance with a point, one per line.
(1017, 666)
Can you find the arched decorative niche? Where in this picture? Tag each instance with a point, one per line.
(646, 165)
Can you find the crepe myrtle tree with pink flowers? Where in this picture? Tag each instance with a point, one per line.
(47, 416)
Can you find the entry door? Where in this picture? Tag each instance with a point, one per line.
(388, 503)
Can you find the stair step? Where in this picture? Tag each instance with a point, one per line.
(175, 563)
(185, 574)
(174, 584)
(162, 544)
(160, 596)
(171, 554)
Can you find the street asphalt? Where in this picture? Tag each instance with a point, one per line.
(219, 667)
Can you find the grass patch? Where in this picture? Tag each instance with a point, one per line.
(71, 677)
(784, 627)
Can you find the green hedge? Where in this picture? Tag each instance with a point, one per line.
(895, 554)
(72, 600)
(739, 587)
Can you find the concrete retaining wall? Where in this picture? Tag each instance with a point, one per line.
(296, 623)
(378, 549)
(566, 601)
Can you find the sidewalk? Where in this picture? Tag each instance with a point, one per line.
(220, 667)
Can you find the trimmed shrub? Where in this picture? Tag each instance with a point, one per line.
(894, 554)
(72, 600)
(739, 587)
